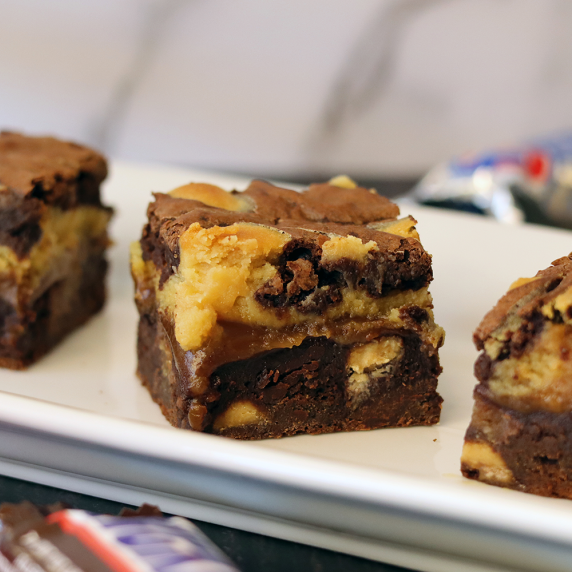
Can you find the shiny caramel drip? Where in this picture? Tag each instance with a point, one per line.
(238, 342)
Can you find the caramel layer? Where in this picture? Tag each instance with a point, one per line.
(237, 342)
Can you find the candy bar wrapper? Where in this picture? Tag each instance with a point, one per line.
(531, 182)
(78, 541)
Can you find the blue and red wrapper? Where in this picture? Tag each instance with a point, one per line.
(531, 182)
(78, 541)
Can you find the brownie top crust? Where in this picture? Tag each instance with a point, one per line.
(547, 296)
(56, 172)
(320, 203)
(310, 218)
(264, 203)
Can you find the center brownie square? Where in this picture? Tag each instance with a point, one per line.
(270, 312)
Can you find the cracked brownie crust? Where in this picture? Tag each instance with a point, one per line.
(271, 312)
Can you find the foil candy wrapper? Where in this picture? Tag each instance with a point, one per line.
(532, 183)
(79, 541)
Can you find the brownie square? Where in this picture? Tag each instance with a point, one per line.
(53, 237)
(270, 312)
(520, 435)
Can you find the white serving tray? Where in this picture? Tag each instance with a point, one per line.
(80, 420)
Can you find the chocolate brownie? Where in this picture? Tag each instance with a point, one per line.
(270, 312)
(53, 236)
(520, 434)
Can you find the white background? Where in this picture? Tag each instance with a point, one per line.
(372, 88)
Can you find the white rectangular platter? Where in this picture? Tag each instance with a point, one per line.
(80, 420)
